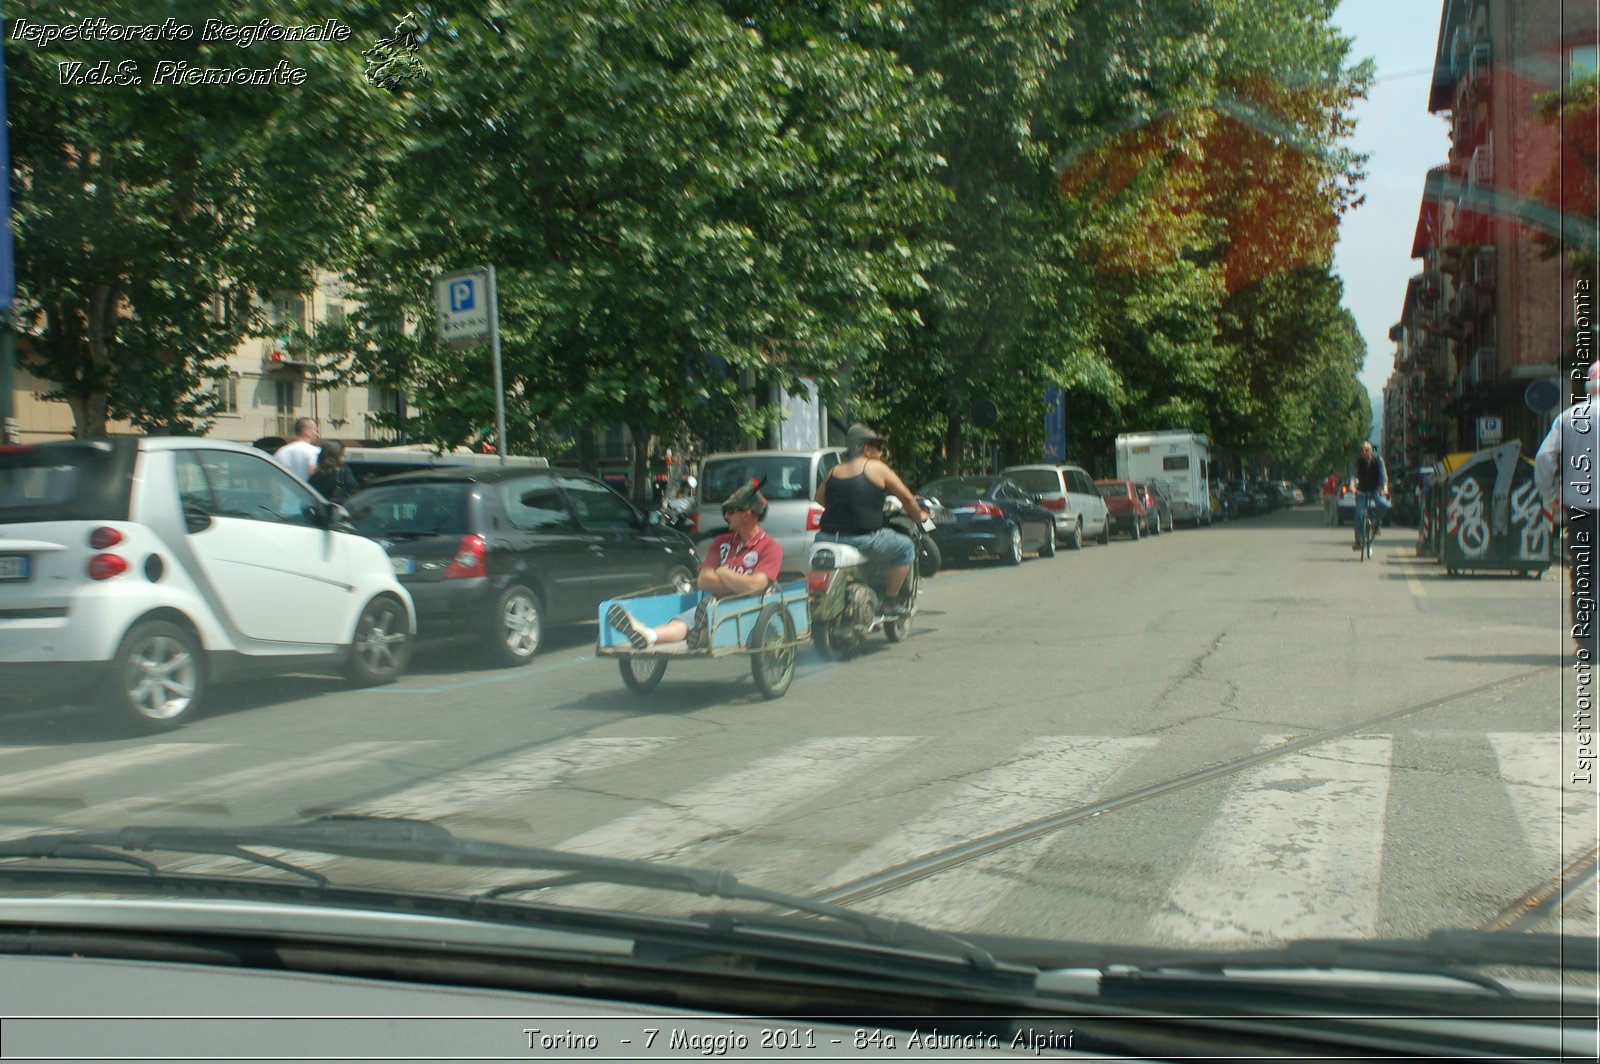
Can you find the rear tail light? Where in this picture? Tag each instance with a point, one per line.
(982, 509)
(814, 519)
(104, 538)
(471, 559)
(105, 566)
(1054, 504)
(817, 582)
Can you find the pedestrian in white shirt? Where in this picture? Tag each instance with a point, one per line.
(299, 455)
(1564, 470)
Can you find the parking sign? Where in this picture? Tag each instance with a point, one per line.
(461, 300)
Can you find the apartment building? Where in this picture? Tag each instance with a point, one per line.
(1491, 311)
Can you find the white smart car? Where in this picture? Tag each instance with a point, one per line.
(142, 570)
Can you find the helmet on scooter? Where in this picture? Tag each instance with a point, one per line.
(748, 497)
(858, 437)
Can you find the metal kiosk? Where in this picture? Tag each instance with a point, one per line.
(1487, 513)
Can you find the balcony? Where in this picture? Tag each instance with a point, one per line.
(1480, 371)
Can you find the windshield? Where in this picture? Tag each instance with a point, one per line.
(65, 482)
(416, 508)
(787, 477)
(1036, 480)
(377, 376)
(957, 488)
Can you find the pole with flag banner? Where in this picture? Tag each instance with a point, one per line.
(8, 278)
(1055, 425)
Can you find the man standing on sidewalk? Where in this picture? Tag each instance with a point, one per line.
(1564, 470)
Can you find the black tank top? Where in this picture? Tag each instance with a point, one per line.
(855, 505)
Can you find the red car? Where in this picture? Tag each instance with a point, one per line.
(1125, 503)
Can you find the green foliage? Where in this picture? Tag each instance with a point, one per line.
(142, 209)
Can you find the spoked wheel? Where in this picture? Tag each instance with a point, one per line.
(381, 648)
(515, 627)
(642, 674)
(836, 639)
(1047, 549)
(1014, 548)
(1075, 541)
(898, 629)
(772, 646)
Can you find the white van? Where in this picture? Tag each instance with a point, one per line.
(1068, 492)
(1181, 460)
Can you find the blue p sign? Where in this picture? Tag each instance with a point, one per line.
(461, 297)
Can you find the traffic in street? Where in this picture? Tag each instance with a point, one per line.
(1224, 736)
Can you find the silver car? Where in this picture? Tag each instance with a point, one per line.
(1068, 492)
(791, 488)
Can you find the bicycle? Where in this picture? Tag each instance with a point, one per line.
(1367, 527)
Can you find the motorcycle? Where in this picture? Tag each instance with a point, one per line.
(847, 591)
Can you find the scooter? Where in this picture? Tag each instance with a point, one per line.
(847, 591)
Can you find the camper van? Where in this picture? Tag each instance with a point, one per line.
(370, 463)
(1180, 460)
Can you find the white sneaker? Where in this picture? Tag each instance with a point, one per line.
(624, 622)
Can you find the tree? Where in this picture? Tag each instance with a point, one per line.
(152, 215)
(677, 201)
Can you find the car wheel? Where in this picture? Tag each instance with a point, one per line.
(1047, 549)
(681, 580)
(1105, 532)
(1014, 548)
(1075, 540)
(517, 627)
(1138, 531)
(381, 648)
(157, 678)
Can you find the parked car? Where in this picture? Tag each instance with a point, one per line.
(1285, 493)
(791, 488)
(499, 553)
(1069, 493)
(142, 571)
(994, 518)
(1159, 503)
(1125, 502)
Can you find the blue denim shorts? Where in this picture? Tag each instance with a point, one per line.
(884, 545)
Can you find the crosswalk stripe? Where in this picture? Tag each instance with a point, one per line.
(482, 786)
(1557, 820)
(81, 770)
(1049, 774)
(227, 789)
(478, 788)
(670, 830)
(1296, 852)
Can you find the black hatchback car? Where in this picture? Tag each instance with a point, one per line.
(500, 553)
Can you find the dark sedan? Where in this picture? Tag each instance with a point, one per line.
(499, 553)
(992, 518)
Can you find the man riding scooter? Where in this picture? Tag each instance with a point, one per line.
(852, 498)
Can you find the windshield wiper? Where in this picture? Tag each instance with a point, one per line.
(1446, 954)
(396, 839)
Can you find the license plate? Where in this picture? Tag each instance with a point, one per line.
(14, 567)
(404, 566)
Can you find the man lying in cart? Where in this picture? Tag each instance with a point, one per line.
(742, 561)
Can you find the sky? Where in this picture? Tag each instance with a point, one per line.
(1404, 141)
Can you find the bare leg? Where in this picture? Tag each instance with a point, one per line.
(897, 579)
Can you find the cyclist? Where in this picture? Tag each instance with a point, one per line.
(1371, 477)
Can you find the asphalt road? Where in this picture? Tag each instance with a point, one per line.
(1222, 736)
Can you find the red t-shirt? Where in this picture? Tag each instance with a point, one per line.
(762, 554)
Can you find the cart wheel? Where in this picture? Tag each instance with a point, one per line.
(642, 674)
(773, 669)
